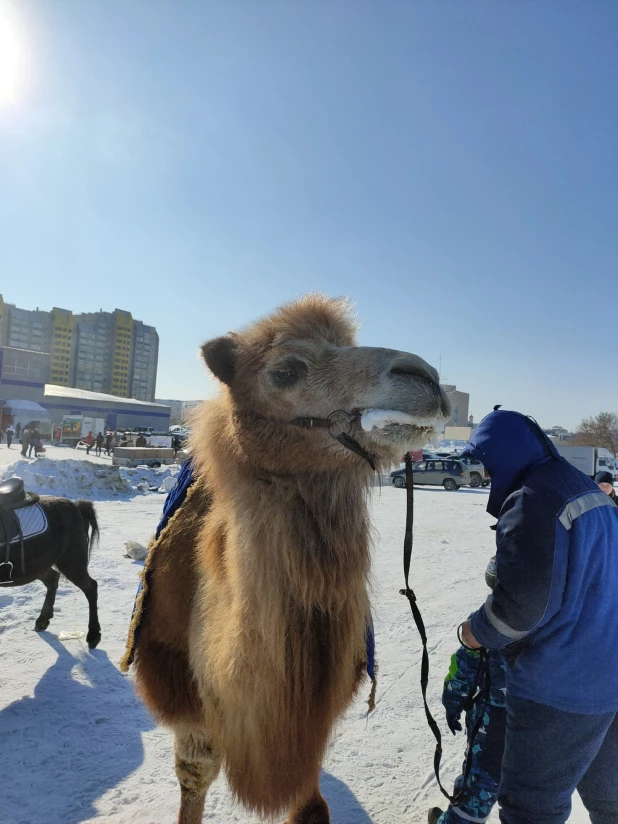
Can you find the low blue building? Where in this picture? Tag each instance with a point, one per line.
(24, 376)
(118, 413)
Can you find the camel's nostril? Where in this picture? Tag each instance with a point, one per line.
(413, 368)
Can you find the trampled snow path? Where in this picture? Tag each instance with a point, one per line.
(75, 744)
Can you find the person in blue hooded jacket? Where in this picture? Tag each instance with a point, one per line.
(554, 615)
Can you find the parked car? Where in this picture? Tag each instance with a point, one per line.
(478, 474)
(439, 472)
(420, 455)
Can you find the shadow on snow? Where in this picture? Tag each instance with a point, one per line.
(344, 806)
(76, 738)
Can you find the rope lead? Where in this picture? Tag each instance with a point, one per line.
(418, 620)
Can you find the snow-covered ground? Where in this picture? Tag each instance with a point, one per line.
(76, 745)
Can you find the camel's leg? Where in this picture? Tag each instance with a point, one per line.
(310, 809)
(50, 579)
(197, 766)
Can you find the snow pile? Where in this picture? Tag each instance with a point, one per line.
(86, 479)
(136, 551)
(151, 479)
(168, 484)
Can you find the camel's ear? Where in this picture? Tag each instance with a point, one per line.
(220, 357)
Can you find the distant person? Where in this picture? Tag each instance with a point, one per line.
(176, 444)
(10, 432)
(109, 439)
(89, 440)
(141, 440)
(25, 441)
(605, 481)
(34, 439)
(18, 430)
(0, 436)
(99, 444)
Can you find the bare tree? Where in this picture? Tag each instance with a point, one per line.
(601, 430)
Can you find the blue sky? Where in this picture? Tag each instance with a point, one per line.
(451, 166)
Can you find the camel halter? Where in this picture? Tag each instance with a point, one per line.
(420, 625)
(338, 424)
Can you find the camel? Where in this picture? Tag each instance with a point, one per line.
(252, 644)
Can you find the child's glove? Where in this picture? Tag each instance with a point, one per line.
(453, 723)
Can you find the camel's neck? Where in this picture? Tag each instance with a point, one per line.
(308, 536)
(301, 536)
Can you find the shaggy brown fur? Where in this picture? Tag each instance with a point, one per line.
(253, 643)
(162, 658)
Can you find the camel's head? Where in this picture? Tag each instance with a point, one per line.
(302, 362)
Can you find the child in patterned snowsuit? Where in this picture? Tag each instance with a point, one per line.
(464, 683)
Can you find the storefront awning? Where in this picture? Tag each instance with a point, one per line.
(31, 408)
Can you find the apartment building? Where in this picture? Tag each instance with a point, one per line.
(91, 353)
(107, 352)
(61, 344)
(145, 357)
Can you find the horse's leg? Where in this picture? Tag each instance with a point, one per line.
(50, 579)
(76, 570)
(197, 766)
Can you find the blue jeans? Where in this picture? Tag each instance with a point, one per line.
(549, 754)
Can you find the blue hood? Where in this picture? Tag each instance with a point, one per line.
(509, 445)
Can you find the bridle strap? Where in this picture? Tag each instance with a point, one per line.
(309, 423)
(408, 543)
(337, 420)
(420, 625)
(354, 446)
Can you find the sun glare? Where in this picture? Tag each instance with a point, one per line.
(10, 60)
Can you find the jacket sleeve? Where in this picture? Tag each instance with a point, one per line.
(459, 680)
(526, 592)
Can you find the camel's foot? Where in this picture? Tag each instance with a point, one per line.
(191, 806)
(314, 811)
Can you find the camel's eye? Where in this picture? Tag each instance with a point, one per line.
(289, 373)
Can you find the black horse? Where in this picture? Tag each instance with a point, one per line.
(64, 548)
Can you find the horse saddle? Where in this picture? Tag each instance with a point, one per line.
(13, 497)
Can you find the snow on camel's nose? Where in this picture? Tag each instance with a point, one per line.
(405, 364)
